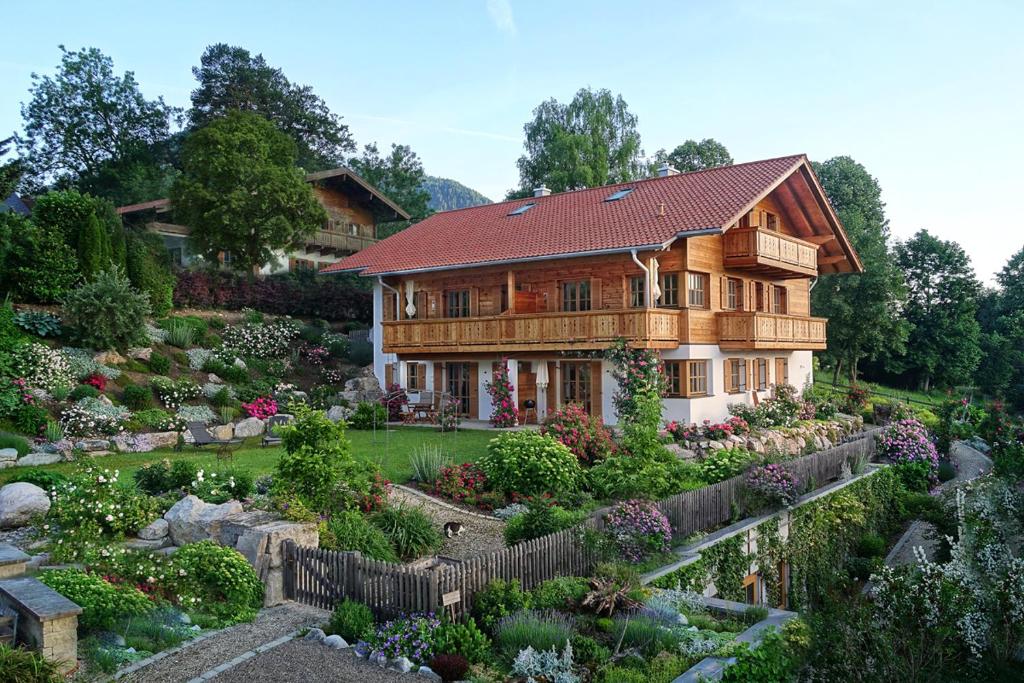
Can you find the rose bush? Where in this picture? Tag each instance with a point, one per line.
(584, 434)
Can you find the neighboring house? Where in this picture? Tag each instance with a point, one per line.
(354, 207)
(712, 268)
(15, 204)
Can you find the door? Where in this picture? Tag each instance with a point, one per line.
(459, 385)
(577, 383)
(527, 385)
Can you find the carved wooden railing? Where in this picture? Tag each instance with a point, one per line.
(743, 330)
(747, 248)
(323, 239)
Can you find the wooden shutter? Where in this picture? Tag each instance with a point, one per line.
(595, 294)
(755, 218)
(438, 377)
(474, 301)
(389, 375)
(723, 293)
(474, 392)
(727, 371)
(595, 388)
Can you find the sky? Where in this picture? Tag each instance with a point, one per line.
(928, 96)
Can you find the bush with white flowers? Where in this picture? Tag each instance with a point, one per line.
(262, 340)
(91, 417)
(42, 367)
(173, 393)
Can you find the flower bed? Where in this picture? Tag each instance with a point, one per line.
(801, 438)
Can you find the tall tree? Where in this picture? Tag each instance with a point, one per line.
(232, 79)
(589, 142)
(1011, 280)
(85, 119)
(400, 176)
(864, 310)
(241, 192)
(942, 306)
(10, 171)
(695, 156)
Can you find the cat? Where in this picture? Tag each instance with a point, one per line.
(452, 529)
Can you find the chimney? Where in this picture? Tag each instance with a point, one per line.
(666, 170)
(541, 191)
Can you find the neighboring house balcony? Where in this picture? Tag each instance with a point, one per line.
(769, 252)
(750, 331)
(330, 243)
(646, 327)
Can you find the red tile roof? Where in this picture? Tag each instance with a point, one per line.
(657, 210)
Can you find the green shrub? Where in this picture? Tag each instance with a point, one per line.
(426, 462)
(102, 602)
(221, 579)
(465, 639)
(588, 651)
(651, 477)
(776, 660)
(39, 323)
(44, 479)
(19, 665)
(540, 519)
(528, 463)
(947, 471)
(82, 391)
(159, 363)
(18, 443)
(107, 313)
(562, 593)
(148, 267)
(871, 545)
(644, 634)
(498, 600)
(410, 531)
(137, 398)
(315, 451)
(40, 267)
(723, 464)
(369, 416)
(350, 620)
(180, 333)
(350, 530)
(158, 419)
(30, 419)
(542, 630)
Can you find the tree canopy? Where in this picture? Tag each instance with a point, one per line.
(85, 120)
(694, 156)
(232, 79)
(591, 141)
(241, 192)
(399, 175)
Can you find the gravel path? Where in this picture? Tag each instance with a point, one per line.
(301, 661)
(196, 659)
(480, 534)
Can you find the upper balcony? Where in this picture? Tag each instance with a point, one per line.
(587, 330)
(327, 242)
(751, 331)
(769, 252)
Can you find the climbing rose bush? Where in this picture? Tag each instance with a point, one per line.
(583, 434)
(774, 483)
(505, 413)
(639, 529)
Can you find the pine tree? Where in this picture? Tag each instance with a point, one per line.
(93, 248)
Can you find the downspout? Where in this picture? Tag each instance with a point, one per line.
(647, 276)
(810, 288)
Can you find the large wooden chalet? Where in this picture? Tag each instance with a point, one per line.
(354, 207)
(712, 268)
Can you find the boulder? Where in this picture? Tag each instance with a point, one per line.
(143, 353)
(250, 426)
(403, 664)
(222, 432)
(335, 642)
(20, 502)
(148, 545)
(262, 546)
(155, 531)
(239, 363)
(164, 439)
(90, 445)
(429, 674)
(338, 413)
(8, 454)
(315, 634)
(105, 400)
(191, 520)
(109, 358)
(362, 388)
(35, 459)
(214, 379)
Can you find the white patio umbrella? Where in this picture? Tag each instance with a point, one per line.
(542, 375)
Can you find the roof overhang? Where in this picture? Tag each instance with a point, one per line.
(344, 174)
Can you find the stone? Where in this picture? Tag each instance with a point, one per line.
(163, 439)
(168, 551)
(338, 413)
(105, 400)
(8, 453)
(150, 545)
(250, 426)
(335, 642)
(214, 379)
(429, 674)
(380, 659)
(20, 502)
(109, 358)
(262, 545)
(4, 464)
(40, 394)
(403, 664)
(362, 388)
(222, 432)
(90, 445)
(156, 530)
(315, 634)
(191, 520)
(40, 560)
(143, 353)
(716, 446)
(239, 363)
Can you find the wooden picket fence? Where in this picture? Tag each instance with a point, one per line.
(324, 577)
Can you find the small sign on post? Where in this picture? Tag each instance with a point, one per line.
(449, 600)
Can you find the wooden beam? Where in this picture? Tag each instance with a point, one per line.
(820, 239)
(831, 260)
(510, 284)
(808, 219)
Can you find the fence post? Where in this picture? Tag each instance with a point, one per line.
(433, 590)
(289, 569)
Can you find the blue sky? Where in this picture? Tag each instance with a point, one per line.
(929, 96)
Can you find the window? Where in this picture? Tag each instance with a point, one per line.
(781, 371)
(697, 290)
(353, 229)
(783, 574)
(457, 304)
(772, 222)
(673, 378)
(636, 291)
(302, 264)
(618, 194)
(761, 373)
(759, 297)
(686, 378)
(519, 210)
(752, 589)
(736, 375)
(576, 383)
(779, 300)
(576, 295)
(176, 255)
(669, 290)
(417, 379)
(226, 258)
(458, 385)
(734, 294)
(697, 377)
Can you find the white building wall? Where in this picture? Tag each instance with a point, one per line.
(380, 359)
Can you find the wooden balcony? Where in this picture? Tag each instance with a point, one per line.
(327, 242)
(768, 252)
(748, 331)
(589, 330)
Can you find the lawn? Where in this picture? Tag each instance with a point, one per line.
(931, 398)
(391, 450)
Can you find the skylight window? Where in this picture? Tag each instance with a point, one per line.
(618, 194)
(520, 209)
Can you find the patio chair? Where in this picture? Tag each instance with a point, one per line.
(201, 437)
(423, 409)
(8, 625)
(269, 437)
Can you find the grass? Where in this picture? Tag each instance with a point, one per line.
(390, 450)
(933, 398)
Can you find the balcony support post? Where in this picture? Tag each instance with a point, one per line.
(511, 288)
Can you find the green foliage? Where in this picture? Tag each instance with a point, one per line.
(640, 386)
(351, 530)
(93, 248)
(19, 443)
(694, 156)
(464, 639)
(83, 391)
(410, 531)
(159, 363)
(350, 620)
(315, 451)
(540, 519)
(40, 266)
(102, 602)
(542, 630)
(626, 476)
(39, 323)
(107, 313)
(724, 464)
(241, 191)
(369, 416)
(399, 175)
(644, 634)
(180, 333)
(20, 665)
(528, 463)
(148, 268)
(563, 593)
(588, 651)
(224, 583)
(137, 397)
(498, 600)
(426, 463)
(776, 660)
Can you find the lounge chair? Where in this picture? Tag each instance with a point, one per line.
(201, 437)
(269, 437)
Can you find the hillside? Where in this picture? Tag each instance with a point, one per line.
(447, 194)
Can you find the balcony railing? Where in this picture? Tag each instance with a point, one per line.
(743, 330)
(325, 241)
(770, 252)
(651, 328)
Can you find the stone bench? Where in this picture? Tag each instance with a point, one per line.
(13, 562)
(47, 621)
